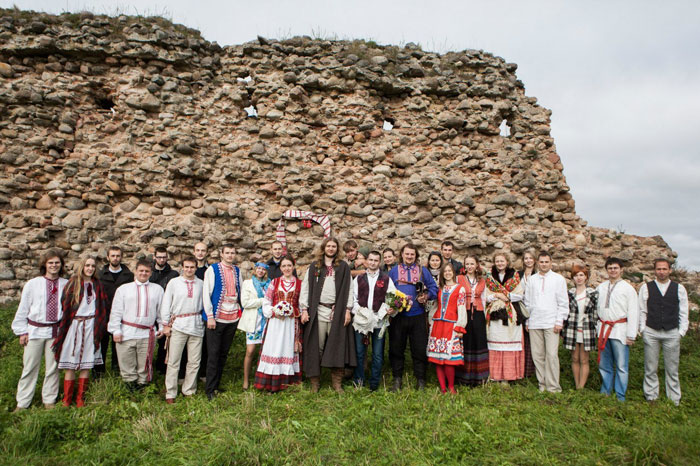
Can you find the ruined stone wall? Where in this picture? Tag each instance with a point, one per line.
(133, 131)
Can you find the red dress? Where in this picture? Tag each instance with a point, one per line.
(448, 321)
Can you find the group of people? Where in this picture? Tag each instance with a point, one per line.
(502, 325)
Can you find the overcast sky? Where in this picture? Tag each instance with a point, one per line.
(621, 77)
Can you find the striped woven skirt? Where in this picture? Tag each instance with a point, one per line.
(475, 370)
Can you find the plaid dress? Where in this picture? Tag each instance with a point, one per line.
(589, 321)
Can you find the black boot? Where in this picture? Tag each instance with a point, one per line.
(420, 384)
(398, 382)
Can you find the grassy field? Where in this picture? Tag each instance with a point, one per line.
(488, 425)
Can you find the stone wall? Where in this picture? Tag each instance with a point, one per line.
(134, 131)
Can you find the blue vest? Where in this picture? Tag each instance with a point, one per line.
(219, 288)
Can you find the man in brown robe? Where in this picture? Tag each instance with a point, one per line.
(326, 303)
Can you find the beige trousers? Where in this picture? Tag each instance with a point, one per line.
(178, 341)
(132, 355)
(33, 352)
(544, 346)
(324, 329)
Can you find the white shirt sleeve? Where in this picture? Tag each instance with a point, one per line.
(115, 318)
(207, 290)
(20, 326)
(167, 302)
(632, 313)
(683, 310)
(355, 294)
(159, 320)
(304, 292)
(351, 298)
(643, 297)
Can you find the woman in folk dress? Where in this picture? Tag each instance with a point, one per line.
(447, 327)
(505, 322)
(82, 326)
(280, 358)
(476, 351)
(252, 320)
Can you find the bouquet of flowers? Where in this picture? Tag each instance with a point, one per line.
(283, 309)
(397, 302)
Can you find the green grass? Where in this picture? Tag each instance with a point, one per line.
(488, 425)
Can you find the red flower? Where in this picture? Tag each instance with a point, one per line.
(306, 223)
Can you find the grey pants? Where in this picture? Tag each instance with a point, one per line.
(670, 341)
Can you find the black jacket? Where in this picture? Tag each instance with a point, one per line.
(162, 277)
(273, 269)
(110, 284)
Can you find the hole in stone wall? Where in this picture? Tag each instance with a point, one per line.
(105, 103)
(251, 111)
(388, 124)
(505, 129)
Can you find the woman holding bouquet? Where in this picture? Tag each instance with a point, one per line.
(476, 351)
(505, 322)
(447, 327)
(279, 364)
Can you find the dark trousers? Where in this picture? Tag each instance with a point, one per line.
(104, 344)
(203, 360)
(414, 330)
(218, 344)
(159, 363)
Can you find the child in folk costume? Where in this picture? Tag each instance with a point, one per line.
(252, 321)
(476, 351)
(505, 320)
(280, 359)
(447, 327)
(83, 324)
(579, 328)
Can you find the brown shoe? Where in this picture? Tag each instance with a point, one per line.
(19, 409)
(170, 400)
(49, 405)
(337, 380)
(315, 384)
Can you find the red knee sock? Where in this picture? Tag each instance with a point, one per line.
(450, 373)
(440, 369)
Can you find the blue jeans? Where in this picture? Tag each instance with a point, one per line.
(377, 359)
(615, 356)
